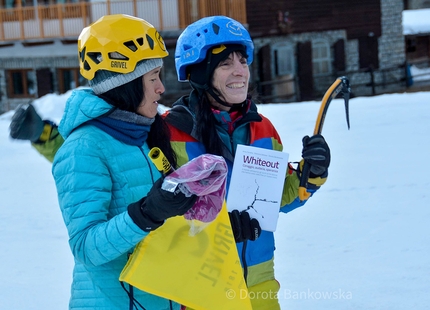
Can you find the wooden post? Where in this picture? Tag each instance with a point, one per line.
(223, 7)
(1, 26)
(181, 6)
(60, 19)
(108, 6)
(84, 13)
(21, 21)
(41, 17)
(160, 15)
(203, 11)
(372, 80)
(134, 8)
(242, 12)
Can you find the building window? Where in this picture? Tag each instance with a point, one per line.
(284, 60)
(21, 83)
(411, 45)
(69, 78)
(321, 58)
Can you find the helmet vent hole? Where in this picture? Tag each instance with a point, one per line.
(82, 54)
(140, 41)
(116, 55)
(131, 46)
(187, 47)
(95, 57)
(215, 28)
(86, 66)
(150, 42)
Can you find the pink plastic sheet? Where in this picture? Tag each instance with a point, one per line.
(204, 176)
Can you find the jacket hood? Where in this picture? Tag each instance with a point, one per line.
(83, 105)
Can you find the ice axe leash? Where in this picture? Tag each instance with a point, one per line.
(340, 86)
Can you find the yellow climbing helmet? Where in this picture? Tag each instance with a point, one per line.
(117, 43)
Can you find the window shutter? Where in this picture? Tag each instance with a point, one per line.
(368, 52)
(304, 60)
(264, 70)
(44, 82)
(339, 56)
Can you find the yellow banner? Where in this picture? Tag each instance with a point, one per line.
(201, 271)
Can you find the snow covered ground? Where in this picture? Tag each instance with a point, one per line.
(362, 242)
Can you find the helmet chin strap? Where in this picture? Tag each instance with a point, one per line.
(205, 87)
(222, 102)
(218, 99)
(209, 89)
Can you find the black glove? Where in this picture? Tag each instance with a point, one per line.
(244, 228)
(317, 153)
(26, 124)
(150, 212)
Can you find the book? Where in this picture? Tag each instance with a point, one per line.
(257, 183)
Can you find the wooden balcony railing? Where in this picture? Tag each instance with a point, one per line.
(68, 19)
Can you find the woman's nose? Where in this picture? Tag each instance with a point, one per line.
(160, 89)
(239, 68)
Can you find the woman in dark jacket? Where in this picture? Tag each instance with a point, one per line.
(213, 55)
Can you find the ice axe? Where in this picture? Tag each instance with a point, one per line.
(340, 86)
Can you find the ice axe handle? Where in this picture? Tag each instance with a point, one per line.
(341, 85)
(303, 194)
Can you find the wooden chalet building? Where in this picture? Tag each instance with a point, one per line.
(300, 46)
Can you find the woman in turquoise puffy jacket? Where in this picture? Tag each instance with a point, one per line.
(109, 191)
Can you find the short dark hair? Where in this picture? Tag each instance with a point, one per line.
(126, 97)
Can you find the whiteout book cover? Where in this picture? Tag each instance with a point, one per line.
(257, 183)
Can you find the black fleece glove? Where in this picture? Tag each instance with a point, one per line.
(150, 212)
(244, 228)
(26, 124)
(317, 153)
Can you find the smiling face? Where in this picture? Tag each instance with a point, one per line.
(230, 79)
(152, 89)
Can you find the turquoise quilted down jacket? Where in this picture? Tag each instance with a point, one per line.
(97, 177)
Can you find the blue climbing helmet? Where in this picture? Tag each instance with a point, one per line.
(202, 35)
